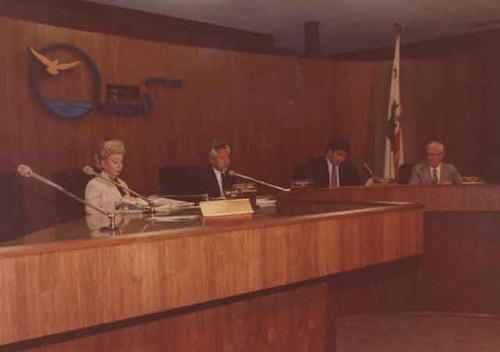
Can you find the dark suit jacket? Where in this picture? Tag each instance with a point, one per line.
(317, 170)
(209, 183)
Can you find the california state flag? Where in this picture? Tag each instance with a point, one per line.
(394, 135)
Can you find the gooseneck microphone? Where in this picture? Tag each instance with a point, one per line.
(26, 171)
(367, 168)
(234, 173)
(89, 170)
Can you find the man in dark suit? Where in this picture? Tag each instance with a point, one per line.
(434, 171)
(333, 169)
(215, 180)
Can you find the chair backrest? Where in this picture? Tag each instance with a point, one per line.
(300, 171)
(12, 212)
(74, 181)
(180, 180)
(405, 173)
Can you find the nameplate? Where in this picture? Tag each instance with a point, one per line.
(380, 181)
(296, 184)
(220, 208)
(245, 187)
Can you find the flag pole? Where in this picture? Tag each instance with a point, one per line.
(397, 32)
(394, 146)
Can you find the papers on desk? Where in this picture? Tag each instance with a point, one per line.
(166, 204)
(129, 211)
(265, 203)
(131, 204)
(162, 203)
(134, 204)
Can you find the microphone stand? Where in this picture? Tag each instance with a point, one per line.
(26, 171)
(234, 173)
(367, 168)
(90, 171)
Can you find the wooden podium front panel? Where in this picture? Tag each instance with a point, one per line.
(294, 319)
(63, 286)
(461, 262)
(457, 272)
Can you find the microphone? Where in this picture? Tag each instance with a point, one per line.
(234, 173)
(25, 170)
(367, 168)
(89, 170)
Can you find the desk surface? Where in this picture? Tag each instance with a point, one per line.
(132, 226)
(64, 278)
(463, 198)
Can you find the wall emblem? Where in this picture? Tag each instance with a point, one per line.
(66, 81)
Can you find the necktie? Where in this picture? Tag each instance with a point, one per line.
(434, 176)
(334, 181)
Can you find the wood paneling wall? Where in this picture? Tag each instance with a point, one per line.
(451, 92)
(274, 111)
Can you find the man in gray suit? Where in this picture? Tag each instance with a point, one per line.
(434, 171)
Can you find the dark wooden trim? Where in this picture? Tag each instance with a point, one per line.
(135, 24)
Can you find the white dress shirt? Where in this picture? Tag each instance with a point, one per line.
(332, 168)
(218, 176)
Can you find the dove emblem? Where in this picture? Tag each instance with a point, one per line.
(69, 96)
(74, 94)
(53, 67)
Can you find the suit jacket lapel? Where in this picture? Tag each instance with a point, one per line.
(215, 184)
(426, 178)
(444, 173)
(326, 173)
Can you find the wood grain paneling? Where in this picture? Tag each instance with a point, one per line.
(273, 111)
(478, 198)
(50, 288)
(449, 89)
(458, 270)
(380, 289)
(292, 319)
(461, 259)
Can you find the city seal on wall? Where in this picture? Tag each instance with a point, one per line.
(66, 81)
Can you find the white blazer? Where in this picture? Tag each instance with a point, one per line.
(102, 194)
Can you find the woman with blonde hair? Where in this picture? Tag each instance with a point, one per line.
(109, 161)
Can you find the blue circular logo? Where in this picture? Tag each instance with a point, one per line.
(65, 80)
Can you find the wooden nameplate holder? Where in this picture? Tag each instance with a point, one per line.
(227, 209)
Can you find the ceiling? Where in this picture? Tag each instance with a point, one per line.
(346, 25)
